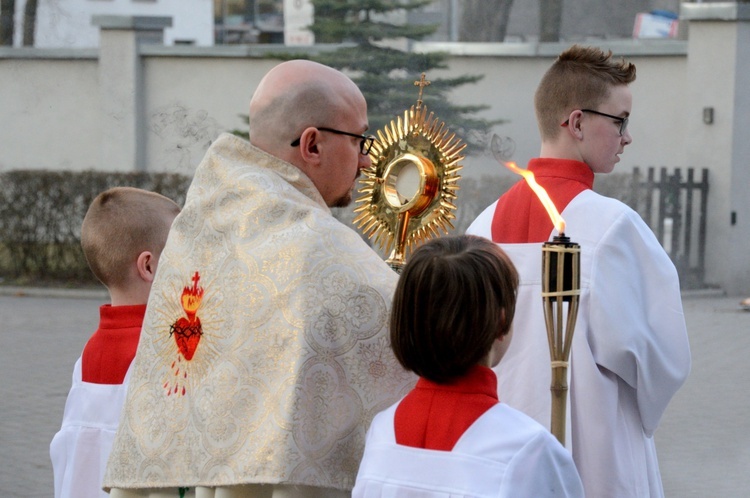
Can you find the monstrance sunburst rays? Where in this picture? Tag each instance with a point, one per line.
(417, 143)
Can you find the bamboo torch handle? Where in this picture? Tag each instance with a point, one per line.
(559, 390)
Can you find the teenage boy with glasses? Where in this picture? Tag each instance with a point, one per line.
(630, 350)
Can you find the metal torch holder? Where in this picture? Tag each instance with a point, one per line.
(561, 290)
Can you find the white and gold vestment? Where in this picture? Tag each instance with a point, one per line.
(264, 353)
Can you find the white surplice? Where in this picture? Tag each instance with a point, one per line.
(503, 454)
(630, 350)
(80, 449)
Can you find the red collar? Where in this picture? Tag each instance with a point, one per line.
(121, 317)
(478, 380)
(519, 215)
(565, 169)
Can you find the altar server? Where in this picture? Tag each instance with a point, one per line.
(630, 350)
(122, 236)
(450, 436)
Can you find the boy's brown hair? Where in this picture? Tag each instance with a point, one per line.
(580, 78)
(456, 295)
(120, 224)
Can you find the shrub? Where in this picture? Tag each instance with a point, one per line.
(41, 214)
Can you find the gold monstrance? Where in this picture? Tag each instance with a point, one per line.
(561, 289)
(409, 189)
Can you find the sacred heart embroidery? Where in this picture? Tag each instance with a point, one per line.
(187, 335)
(187, 332)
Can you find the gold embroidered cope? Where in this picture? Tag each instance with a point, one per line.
(293, 358)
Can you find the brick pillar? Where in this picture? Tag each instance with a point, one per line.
(718, 120)
(121, 87)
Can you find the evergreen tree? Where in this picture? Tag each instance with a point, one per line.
(386, 75)
(7, 13)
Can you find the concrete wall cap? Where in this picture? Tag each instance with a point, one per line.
(718, 11)
(136, 23)
(238, 51)
(48, 53)
(618, 47)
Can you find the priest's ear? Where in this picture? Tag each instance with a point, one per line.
(309, 145)
(312, 158)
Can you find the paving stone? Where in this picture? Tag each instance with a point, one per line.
(703, 441)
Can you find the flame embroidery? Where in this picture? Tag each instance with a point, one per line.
(187, 334)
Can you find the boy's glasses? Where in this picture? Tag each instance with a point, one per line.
(364, 146)
(623, 121)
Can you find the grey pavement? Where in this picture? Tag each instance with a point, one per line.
(703, 441)
(40, 340)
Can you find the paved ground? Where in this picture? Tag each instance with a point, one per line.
(703, 442)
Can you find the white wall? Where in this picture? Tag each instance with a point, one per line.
(50, 113)
(192, 94)
(58, 113)
(67, 23)
(190, 101)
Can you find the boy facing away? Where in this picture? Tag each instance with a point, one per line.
(123, 234)
(450, 323)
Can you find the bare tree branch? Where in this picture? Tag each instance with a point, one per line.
(484, 20)
(550, 15)
(7, 10)
(29, 22)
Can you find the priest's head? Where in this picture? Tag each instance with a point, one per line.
(315, 118)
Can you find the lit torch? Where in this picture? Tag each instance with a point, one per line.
(561, 274)
(561, 289)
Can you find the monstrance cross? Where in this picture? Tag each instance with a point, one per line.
(421, 84)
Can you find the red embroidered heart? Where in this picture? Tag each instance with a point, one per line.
(187, 335)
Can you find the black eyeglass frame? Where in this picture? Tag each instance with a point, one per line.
(623, 121)
(364, 146)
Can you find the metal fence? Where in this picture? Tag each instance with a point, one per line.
(675, 208)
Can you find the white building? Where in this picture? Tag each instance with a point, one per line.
(67, 23)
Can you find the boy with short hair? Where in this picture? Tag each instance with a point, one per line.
(450, 323)
(630, 351)
(122, 236)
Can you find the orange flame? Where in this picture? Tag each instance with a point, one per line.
(554, 215)
(191, 298)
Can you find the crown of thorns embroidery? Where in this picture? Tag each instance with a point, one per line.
(187, 332)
